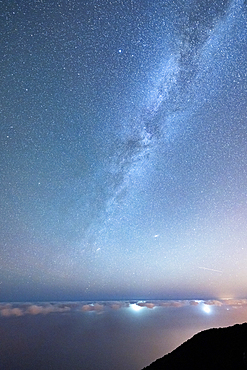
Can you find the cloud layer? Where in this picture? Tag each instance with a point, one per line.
(20, 309)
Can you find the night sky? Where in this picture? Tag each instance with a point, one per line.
(123, 149)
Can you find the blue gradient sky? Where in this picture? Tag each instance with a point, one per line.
(123, 149)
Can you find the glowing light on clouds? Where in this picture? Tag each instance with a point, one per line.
(206, 308)
(135, 307)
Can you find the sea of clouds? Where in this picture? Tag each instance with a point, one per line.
(45, 308)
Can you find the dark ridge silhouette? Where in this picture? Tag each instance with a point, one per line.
(223, 348)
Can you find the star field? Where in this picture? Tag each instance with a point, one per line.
(123, 150)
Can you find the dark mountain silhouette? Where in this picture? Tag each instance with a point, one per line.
(223, 348)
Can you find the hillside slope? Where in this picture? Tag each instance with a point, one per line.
(223, 348)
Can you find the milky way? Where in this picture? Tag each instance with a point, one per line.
(123, 141)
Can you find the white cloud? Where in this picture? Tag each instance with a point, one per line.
(46, 309)
(146, 304)
(213, 302)
(194, 303)
(11, 312)
(93, 307)
(174, 303)
(235, 302)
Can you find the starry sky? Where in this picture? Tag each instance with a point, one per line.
(123, 149)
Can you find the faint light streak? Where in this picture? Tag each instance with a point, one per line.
(208, 269)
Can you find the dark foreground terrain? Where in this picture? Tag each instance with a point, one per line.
(223, 348)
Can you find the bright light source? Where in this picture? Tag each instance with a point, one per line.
(135, 307)
(206, 308)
